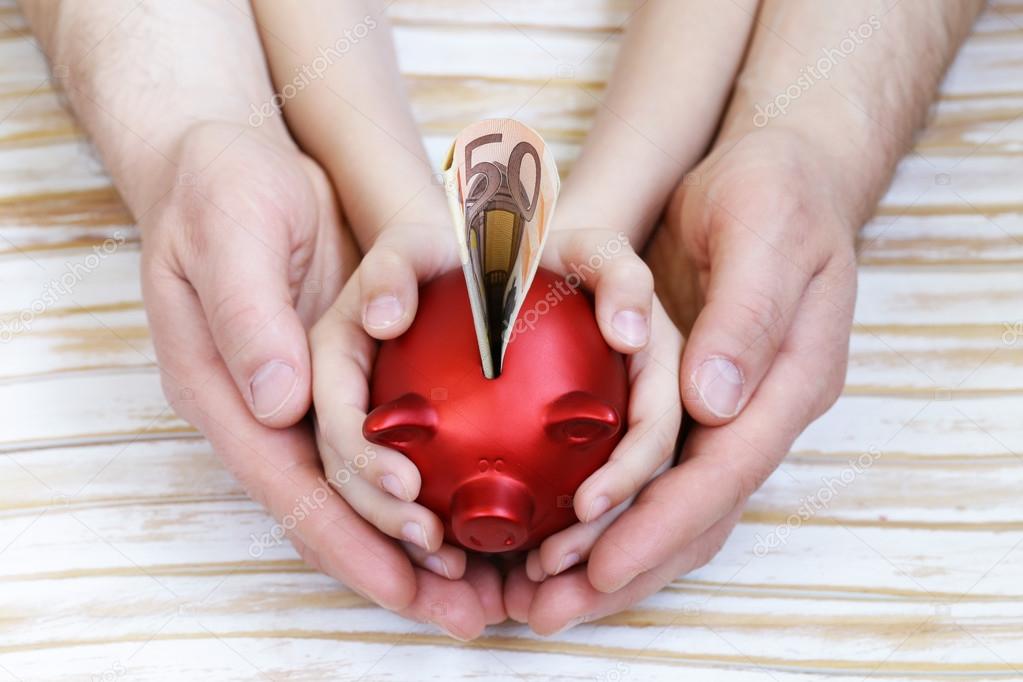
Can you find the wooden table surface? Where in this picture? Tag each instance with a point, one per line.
(125, 546)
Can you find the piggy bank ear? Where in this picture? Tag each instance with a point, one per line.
(409, 419)
(577, 418)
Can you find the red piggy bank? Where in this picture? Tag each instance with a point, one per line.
(500, 459)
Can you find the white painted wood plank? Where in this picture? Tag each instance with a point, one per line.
(937, 239)
(938, 426)
(584, 15)
(779, 632)
(85, 408)
(913, 564)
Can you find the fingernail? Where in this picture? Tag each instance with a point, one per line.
(415, 533)
(597, 507)
(451, 634)
(393, 485)
(623, 583)
(271, 387)
(578, 620)
(631, 327)
(719, 384)
(436, 564)
(382, 311)
(567, 561)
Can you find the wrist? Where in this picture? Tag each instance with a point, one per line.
(115, 64)
(615, 193)
(852, 154)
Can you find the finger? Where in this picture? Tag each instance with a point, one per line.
(390, 274)
(241, 275)
(534, 570)
(311, 558)
(655, 416)
(567, 600)
(518, 593)
(621, 282)
(752, 294)
(485, 579)
(342, 355)
(570, 547)
(278, 467)
(723, 465)
(447, 562)
(386, 468)
(405, 521)
(452, 605)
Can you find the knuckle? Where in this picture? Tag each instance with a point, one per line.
(768, 199)
(380, 516)
(583, 244)
(550, 554)
(384, 259)
(185, 224)
(750, 478)
(258, 494)
(232, 317)
(834, 383)
(632, 479)
(668, 437)
(707, 549)
(737, 483)
(757, 320)
(329, 458)
(630, 271)
(743, 478)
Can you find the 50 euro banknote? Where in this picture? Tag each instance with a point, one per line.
(502, 185)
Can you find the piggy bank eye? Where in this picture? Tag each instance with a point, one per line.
(578, 418)
(401, 422)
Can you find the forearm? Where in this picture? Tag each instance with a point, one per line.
(853, 80)
(664, 100)
(138, 76)
(337, 76)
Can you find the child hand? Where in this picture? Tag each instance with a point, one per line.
(634, 323)
(380, 302)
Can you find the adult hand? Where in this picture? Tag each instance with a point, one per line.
(242, 249)
(765, 226)
(776, 269)
(237, 261)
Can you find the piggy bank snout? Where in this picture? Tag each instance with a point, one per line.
(492, 513)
